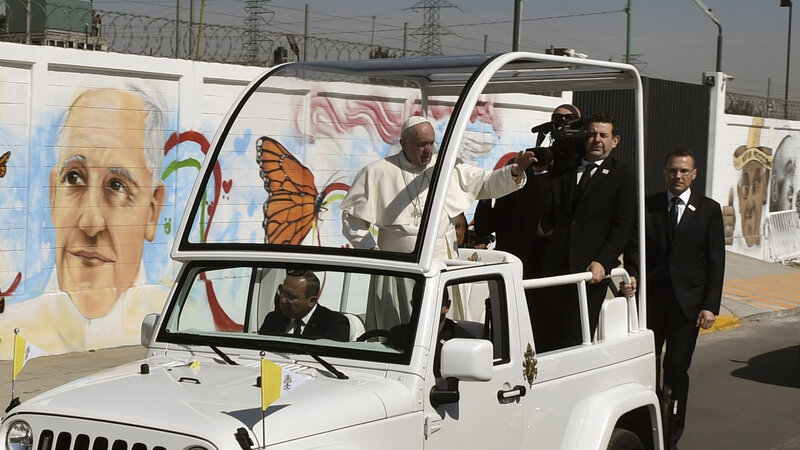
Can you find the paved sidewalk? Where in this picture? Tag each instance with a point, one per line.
(754, 290)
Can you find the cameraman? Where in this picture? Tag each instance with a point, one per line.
(560, 117)
(590, 210)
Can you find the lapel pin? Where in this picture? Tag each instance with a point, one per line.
(691, 207)
(605, 171)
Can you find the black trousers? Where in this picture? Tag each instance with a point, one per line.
(555, 314)
(671, 327)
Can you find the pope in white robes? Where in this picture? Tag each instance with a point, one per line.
(390, 194)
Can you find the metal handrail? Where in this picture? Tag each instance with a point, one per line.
(637, 319)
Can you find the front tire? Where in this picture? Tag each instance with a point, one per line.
(622, 439)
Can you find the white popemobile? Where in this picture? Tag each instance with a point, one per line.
(200, 385)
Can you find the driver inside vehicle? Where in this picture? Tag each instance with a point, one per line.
(299, 313)
(448, 329)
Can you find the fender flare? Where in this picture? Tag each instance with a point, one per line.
(593, 419)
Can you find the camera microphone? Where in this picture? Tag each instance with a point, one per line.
(546, 127)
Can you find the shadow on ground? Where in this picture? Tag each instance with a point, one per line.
(778, 367)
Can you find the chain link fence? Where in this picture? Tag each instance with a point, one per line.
(72, 24)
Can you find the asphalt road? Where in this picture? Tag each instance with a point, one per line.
(745, 387)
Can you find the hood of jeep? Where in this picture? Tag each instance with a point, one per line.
(198, 398)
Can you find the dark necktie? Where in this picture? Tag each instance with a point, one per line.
(673, 212)
(587, 173)
(298, 324)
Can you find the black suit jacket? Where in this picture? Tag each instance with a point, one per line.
(594, 227)
(690, 259)
(324, 323)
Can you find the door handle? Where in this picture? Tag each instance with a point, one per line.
(515, 392)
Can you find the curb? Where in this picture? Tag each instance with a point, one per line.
(723, 322)
(729, 321)
(772, 315)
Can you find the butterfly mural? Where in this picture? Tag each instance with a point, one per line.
(293, 206)
(3, 161)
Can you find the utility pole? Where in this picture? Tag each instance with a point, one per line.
(517, 19)
(177, 28)
(405, 38)
(714, 19)
(305, 35)
(785, 3)
(628, 40)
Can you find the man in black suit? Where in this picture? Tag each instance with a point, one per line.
(590, 209)
(511, 216)
(299, 313)
(685, 247)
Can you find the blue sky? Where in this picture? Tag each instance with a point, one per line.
(670, 39)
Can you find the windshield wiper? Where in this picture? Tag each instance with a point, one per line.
(326, 364)
(216, 349)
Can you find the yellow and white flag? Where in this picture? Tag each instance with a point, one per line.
(277, 381)
(23, 351)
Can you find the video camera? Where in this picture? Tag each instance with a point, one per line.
(568, 139)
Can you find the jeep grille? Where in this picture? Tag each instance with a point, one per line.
(72, 433)
(65, 441)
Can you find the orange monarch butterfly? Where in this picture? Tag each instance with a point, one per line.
(3, 160)
(293, 205)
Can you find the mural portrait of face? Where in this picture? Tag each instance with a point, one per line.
(105, 194)
(783, 186)
(755, 164)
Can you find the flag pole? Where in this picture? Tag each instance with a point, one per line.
(264, 426)
(263, 409)
(14, 400)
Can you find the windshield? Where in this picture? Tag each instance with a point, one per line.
(289, 155)
(295, 309)
(311, 160)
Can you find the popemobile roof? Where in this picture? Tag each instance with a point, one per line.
(285, 155)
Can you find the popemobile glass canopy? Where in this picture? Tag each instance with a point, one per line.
(289, 149)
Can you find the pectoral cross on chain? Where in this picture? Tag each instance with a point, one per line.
(416, 215)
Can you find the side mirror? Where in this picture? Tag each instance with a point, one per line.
(467, 359)
(149, 327)
(462, 360)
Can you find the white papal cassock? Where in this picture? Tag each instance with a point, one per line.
(391, 194)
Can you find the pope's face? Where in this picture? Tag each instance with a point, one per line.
(102, 199)
(600, 142)
(752, 191)
(417, 144)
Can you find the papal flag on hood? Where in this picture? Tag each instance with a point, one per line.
(277, 381)
(23, 351)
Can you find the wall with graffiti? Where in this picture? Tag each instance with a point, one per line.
(757, 182)
(98, 156)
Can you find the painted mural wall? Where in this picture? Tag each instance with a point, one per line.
(98, 155)
(755, 179)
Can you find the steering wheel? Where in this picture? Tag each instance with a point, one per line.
(378, 332)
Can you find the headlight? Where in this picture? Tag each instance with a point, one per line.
(19, 437)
